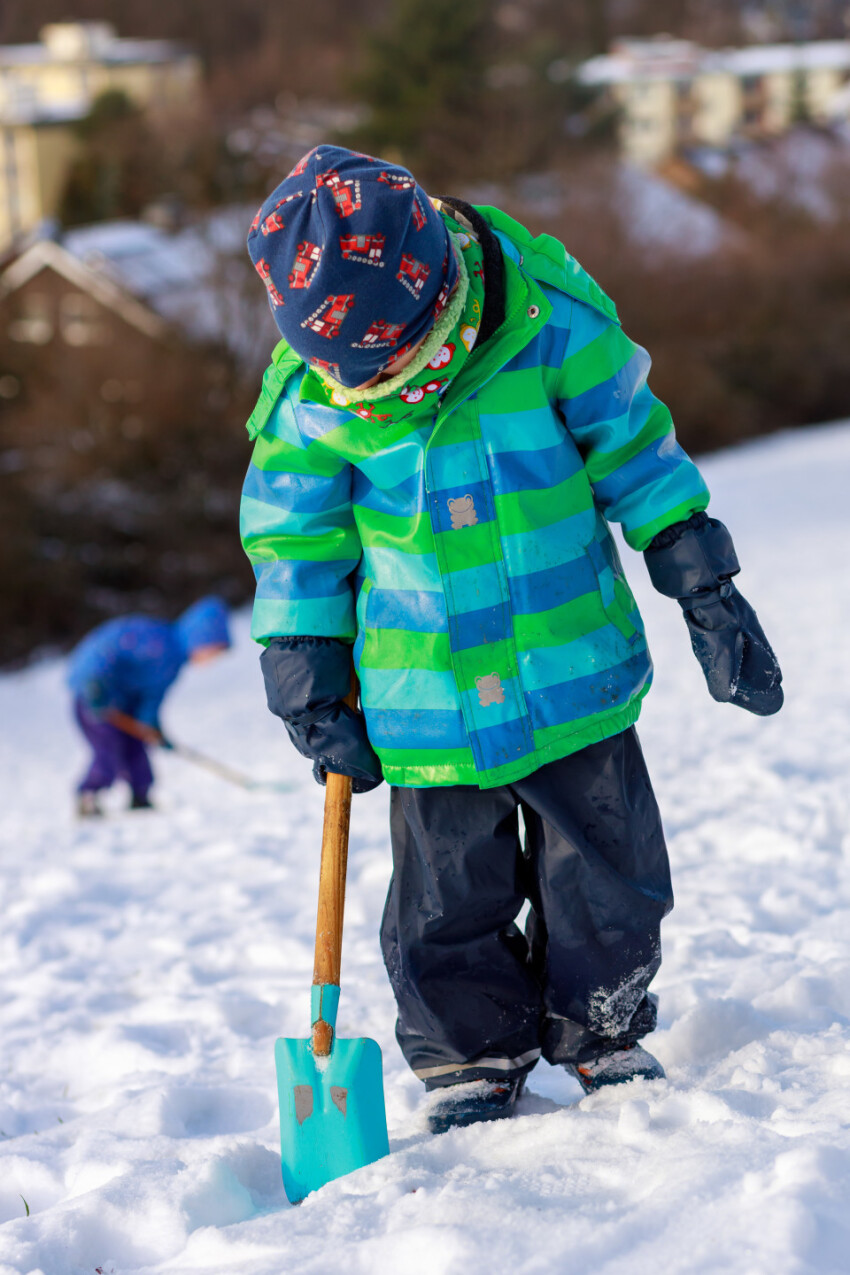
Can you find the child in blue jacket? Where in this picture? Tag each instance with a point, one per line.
(126, 665)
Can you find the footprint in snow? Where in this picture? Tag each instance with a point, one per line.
(195, 1111)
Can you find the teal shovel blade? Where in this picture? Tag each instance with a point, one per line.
(332, 1116)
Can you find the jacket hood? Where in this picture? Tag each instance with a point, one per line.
(204, 624)
(546, 259)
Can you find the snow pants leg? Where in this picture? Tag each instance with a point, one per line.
(116, 755)
(476, 996)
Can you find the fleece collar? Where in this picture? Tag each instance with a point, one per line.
(420, 386)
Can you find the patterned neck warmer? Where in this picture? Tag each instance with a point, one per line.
(417, 389)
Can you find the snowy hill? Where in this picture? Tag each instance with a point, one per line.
(149, 962)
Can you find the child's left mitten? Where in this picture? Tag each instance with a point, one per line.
(694, 562)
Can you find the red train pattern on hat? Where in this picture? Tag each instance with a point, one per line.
(413, 274)
(327, 319)
(307, 257)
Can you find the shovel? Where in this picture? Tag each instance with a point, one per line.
(331, 1091)
(150, 735)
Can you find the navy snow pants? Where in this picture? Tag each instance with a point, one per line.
(476, 996)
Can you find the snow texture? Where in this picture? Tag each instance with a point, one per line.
(655, 214)
(150, 960)
(666, 59)
(652, 213)
(808, 169)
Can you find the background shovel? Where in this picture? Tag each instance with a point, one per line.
(150, 735)
(331, 1091)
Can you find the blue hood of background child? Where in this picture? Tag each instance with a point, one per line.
(204, 624)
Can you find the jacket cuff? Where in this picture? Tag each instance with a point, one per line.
(305, 676)
(691, 556)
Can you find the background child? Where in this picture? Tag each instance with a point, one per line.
(128, 665)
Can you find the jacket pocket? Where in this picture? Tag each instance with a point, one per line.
(614, 593)
(364, 637)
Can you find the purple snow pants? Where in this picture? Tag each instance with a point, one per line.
(116, 755)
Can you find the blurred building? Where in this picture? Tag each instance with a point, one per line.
(673, 94)
(121, 410)
(45, 88)
(115, 342)
(118, 295)
(81, 356)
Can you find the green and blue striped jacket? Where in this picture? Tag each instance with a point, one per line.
(470, 560)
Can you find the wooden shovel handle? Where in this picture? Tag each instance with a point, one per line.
(131, 726)
(328, 959)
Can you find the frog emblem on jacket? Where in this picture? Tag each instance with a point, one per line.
(490, 690)
(462, 510)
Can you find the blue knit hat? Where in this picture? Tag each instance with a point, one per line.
(357, 262)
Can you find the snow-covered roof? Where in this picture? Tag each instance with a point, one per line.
(79, 44)
(28, 111)
(143, 51)
(117, 50)
(22, 54)
(679, 59)
(762, 59)
(47, 255)
(144, 257)
(195, 277)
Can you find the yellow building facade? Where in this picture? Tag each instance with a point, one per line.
(46, 87)
(672, 94)
(34, 163)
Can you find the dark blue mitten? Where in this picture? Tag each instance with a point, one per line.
(693, 562)
(307, 680)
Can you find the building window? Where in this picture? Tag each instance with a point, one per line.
(34, 323)
(82, 320)
(10, 166)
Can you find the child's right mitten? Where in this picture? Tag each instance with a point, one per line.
(694, 562)
(307, 680)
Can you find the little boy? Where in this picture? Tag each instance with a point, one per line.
(125, 667)
(450, 422)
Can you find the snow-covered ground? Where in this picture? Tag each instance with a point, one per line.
(807, 168)
(651, 212)
(149, 962)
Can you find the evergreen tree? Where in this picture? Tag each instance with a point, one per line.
(116, 171)
(800, 112)
(423, 83)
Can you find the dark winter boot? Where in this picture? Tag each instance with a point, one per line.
(476, 1100)
(616, 1068)
(140, 801)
